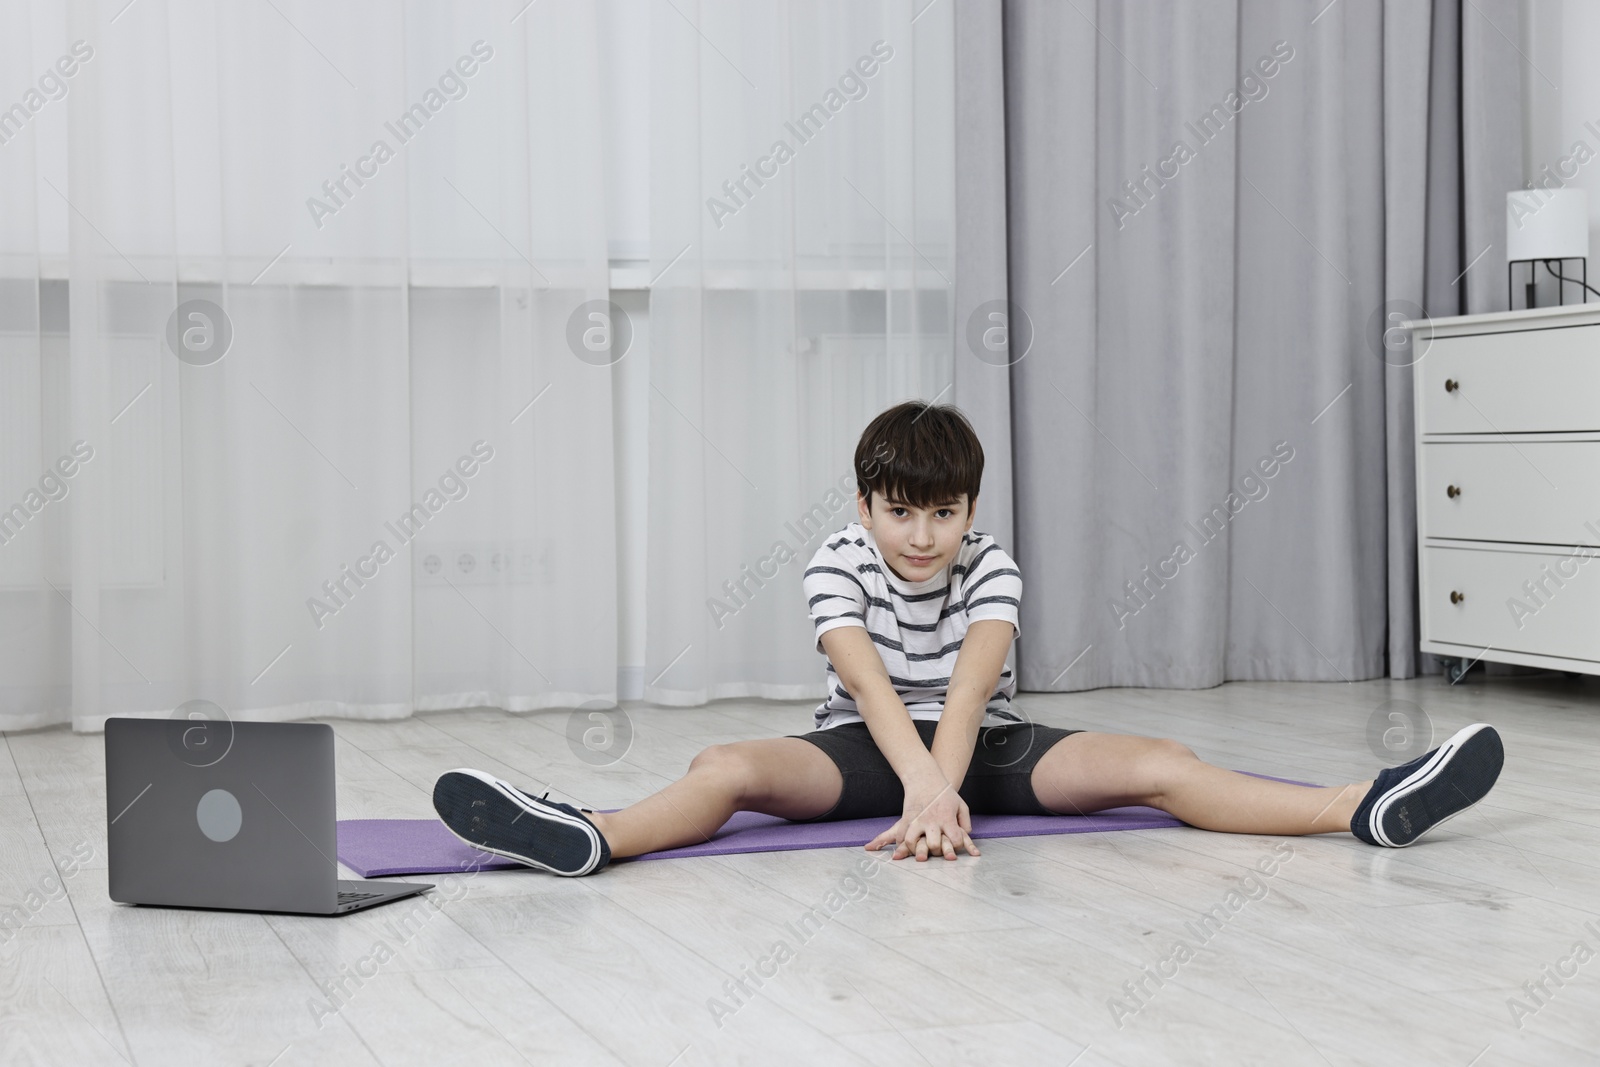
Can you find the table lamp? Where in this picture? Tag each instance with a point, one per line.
(1544, 225)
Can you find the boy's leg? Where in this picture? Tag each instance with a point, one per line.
(781, 776)
(1090, 771)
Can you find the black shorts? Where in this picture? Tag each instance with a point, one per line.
(998, 782)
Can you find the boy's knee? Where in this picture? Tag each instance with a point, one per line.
(1163, 759)
(727, 763)
(1165, 755)
(1167, 748)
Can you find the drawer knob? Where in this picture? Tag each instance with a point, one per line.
(1457, 597)
(1451, 385)
(1452, 491)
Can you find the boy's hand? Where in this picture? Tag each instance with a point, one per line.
(936, 819)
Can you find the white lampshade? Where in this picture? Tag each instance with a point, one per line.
(1547, 224)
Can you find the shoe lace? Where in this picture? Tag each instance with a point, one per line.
(557, 803)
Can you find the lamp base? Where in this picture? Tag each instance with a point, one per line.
(1529, 300)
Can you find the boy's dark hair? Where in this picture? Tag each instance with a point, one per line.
(919, 454)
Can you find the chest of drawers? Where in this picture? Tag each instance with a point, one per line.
(1508, 487)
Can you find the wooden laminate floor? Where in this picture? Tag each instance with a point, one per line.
(1345, 954)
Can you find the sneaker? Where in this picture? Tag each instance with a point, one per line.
(498, 817)
(1407, 801)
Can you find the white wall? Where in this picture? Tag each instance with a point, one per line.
(1561, 101)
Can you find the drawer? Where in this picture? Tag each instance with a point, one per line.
(1525, 381)
(1554, 620)
(1540, 491)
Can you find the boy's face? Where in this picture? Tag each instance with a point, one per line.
(917, 543)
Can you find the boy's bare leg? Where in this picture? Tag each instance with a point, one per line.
(1089, 772)
(781, 776)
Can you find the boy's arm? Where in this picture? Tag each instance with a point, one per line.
(973, 681)
(855, 659)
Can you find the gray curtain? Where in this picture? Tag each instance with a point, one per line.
(982, 386)
(1211, 442)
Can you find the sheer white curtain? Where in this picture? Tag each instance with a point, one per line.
(384, 329)
(398, 488)
(802, 211)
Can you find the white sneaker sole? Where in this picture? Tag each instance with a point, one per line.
(1418, 783)
(496, 817)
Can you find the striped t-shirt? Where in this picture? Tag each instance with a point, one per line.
(917, 626)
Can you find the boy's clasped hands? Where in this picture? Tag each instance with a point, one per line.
(935, 820)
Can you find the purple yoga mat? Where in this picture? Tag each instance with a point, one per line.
(375, 848)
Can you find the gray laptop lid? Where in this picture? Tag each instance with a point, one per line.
(217, 814)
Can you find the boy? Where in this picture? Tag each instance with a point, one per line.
(916, 614)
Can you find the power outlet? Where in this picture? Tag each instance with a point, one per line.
(473, 563)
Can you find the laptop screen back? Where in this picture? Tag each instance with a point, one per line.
(209, 814)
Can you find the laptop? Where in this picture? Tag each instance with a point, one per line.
(206, 813)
